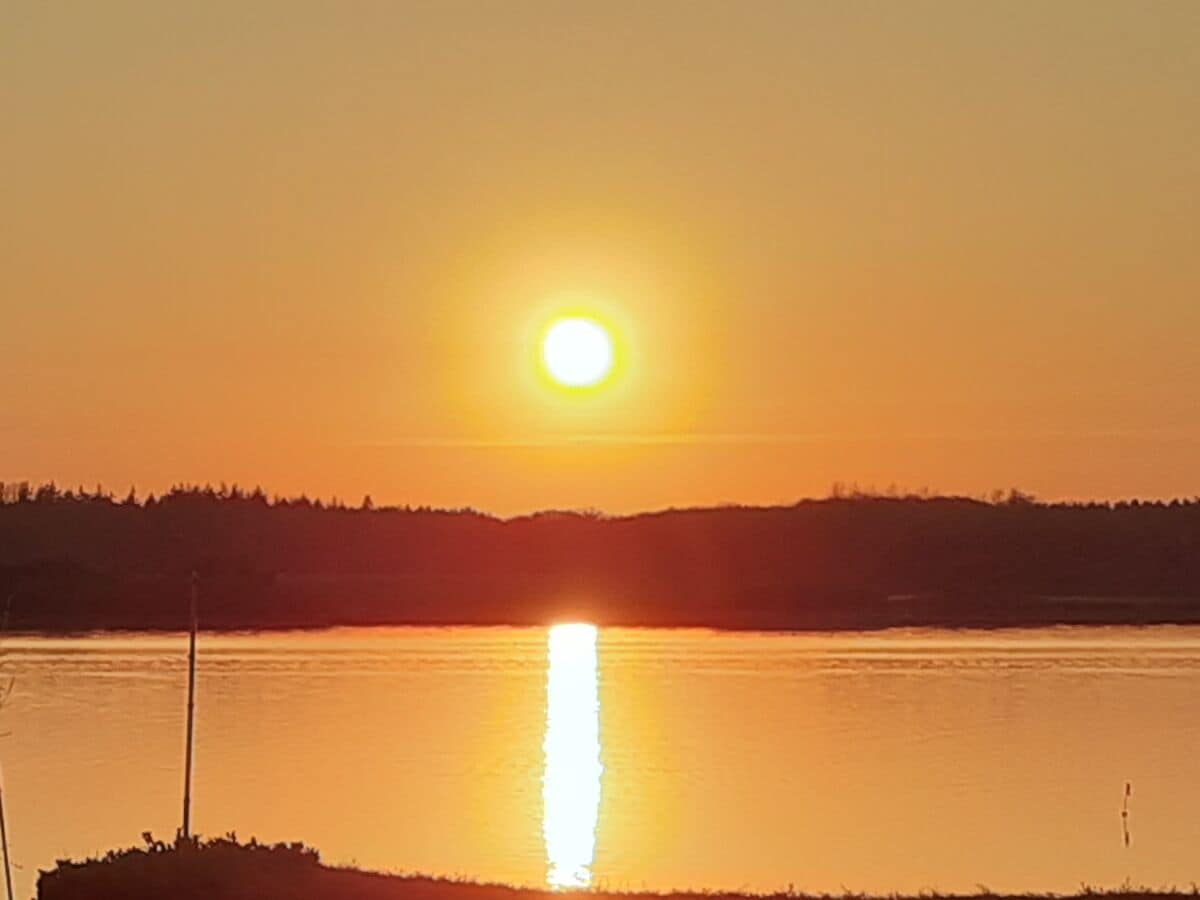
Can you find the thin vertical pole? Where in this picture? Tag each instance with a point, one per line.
(4, 842)
(191, 713)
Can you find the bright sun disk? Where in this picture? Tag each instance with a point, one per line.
(578, 352)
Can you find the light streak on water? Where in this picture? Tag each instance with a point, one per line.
(571, 783)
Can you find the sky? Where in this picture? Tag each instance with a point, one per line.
(311, 246)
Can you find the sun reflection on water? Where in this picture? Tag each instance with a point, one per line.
(571, 783)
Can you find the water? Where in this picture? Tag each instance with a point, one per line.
(894, 761)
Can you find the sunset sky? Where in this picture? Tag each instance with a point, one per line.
(923, 244)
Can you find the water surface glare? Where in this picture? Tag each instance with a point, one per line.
(626, 758)
(571, 785)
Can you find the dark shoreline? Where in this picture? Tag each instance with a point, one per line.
(888, 614)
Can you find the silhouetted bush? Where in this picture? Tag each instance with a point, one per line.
(221, 867)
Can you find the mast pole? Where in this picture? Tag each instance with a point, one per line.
(191, 711)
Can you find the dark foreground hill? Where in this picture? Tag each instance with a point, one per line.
(76, 561)
(226, 870)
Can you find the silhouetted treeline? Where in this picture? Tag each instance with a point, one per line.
(79, 559)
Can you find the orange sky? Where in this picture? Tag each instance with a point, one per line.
(308, 245)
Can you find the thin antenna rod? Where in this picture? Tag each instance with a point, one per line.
(4, 842)
(5, 691)
(191, 713)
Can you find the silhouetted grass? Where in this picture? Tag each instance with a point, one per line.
(226, 869)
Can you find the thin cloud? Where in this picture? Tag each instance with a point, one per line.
(755, 438)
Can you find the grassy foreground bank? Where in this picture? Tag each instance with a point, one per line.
(224, 869)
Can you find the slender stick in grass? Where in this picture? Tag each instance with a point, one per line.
(1125, 812)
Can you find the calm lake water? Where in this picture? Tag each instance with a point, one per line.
(893, 761)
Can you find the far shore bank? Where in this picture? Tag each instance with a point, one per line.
(231, 612)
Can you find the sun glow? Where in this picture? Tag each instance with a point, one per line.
(571, 783)
(578, 352)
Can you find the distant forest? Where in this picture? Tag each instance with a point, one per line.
(77, 560)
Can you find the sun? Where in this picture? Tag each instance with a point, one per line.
(578, 352)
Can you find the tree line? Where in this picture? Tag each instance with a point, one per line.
(79, 559)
